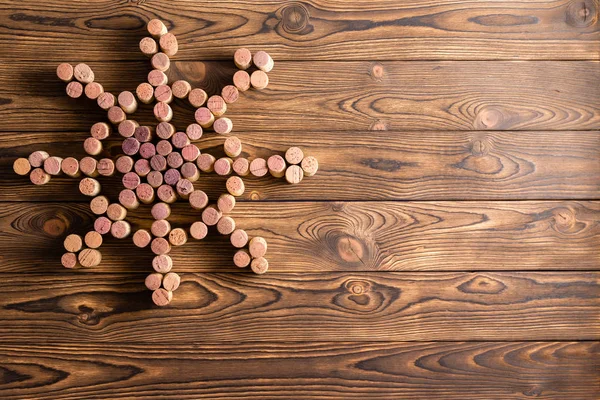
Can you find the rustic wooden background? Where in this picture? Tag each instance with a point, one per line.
(448, 248)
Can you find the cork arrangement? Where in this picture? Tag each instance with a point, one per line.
(161, 164)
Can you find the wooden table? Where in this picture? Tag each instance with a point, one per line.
(448, 248)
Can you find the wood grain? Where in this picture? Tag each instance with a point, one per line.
(316, 29)
(356, 236)
(335, 96)
(315, 370)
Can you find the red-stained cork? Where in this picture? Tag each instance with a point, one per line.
(131, 180)
(163, 148)
(239, 238)
(177, 237)
(181, 89)
(100, 130)
(198, 230)
(153, 281)
(168, 44)
(99, 205)
(102, 225)
(142, 238)
(190, 171)
(143, 133)
(106, 167)
(160, 246)
(226, 225)
(226, 203)
(204, 117)
(120, 229)
(180, 140)
(206, 162)
(190, 152)
(147, 150)
(130, 146)
(92, 146)
(294, 174)
(276, 165)
(74, 90)
(259, 265)
(257, 247)
(148, 46)
(216, 105)
(230, 94)
(241, 258)
(161, 211)
(156, 28)
(241, 80)
(83, 73)
(211, 215)
(160, 228)
(160, 61)
(106, 101)
(197, 97)
(232, 146)
(235, 186)
(128, 199)
(89, 258)
(241, 166)
(184, 188)
(223, 125)
(93, 239)
(194, 132)
(127, 102)
(165, 130)
(116, 212)
(116, 115)
(69, 260)
(157, 78)
(145, 93)
(142, 166)
(89, 187)
(37, 158)
(223, 166)
(294, 155)
(93, 90)
(163, 93)
(162, 263)
(310, 165)
(73, 243)
(64, 72)
(89, 167)
(159, 162)
(242, 58)
(145, 193)
(263, 61)
(22, 166)
(259, 80)
(163, 112)
(172, 176)
(70, 167)
(198, 199)
(171, 281)
(52, 165)
(258, 167)
(162, 297)
(124, 164)
(127, 128)
(167, 194)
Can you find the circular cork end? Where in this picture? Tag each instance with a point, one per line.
(163, 93)
(116, 115)
(294, 174)
(211, 215)
(21, 166)
(181, 89)
(258, 167)
(127, 128)
(263, 61)
(162, 297)
(156, 78)
(101, 130)
(294, 155)
(93, 239)
(241, 258)
(167, 194)
(162, 263)
(147, 150)
(190, 171)
(276, 165)
(206, 162)
(310, 165)
(155, 179)
(198, 199)
(257, 247)
(161, 62)
(145, 193)
(216, 105)
(92, 146)
(165, 130)
(177, 237)
(74, 90)
(69, 260)
(235, 186)
(93, 90)
(142, 238)
(143, 133)
(197, 97)
(90, 258)
(145, 93)
(241, 166)
(239, 238)
(116, 212)
(259, 265)
(120, 229)
(37, 158)
(223, 126)
(230, 94)
(64, 72)
(160, 228)
(73, 243)
(223, 166)
(130, 146)
(194, 132)
(168, 44)
(106, 167)
(153, 281)
(158, 162)
(204, 117)
(241, 80)
(148, 46)
(160, 246)
(142, 166)
(39, 177)
(198, 230)
(52, 165)
(106, 101)
(226, 203)
(163, 149)
(131, 180)
(160, 211)
(242, 58)
(83, 73)
(69, 166)
(89, 166)
(127, 102)
(172, 176)
(128, 199)
(259, 80)
(226, 225)
(156, 28)
(102, 225)
(171, 281)
(163, 112)
(180, 140)
(184, 188)
(99, 205)
(89, 187)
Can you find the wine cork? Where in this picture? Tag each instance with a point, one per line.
(90, 258)
(100, 130)
(241, 80)
(259, 80)
(263, 61)
(93, 239)
(22, 166)
(258, 167)
(198, 230)
(310, 165)
(127, 128)
(193, 132)
(145, 193)
(89, 167)
(148, 46)
(106, 167)
(116, 212)
(145, 93)
(37, 158)
(89, 187)
(181, 89)
(184, 188)
(232, 146)
(73, 243)
(206, 162)
(239, 238)
(74, 90)
(102, 225)
(131, 180)
(177, 237)
(163, 112)
(130, 146)
(257, 247)
(155, 179)
(127, 102)
(163, 93)
(92, 146)
(161, 211)
(172, 176)
(153, 281)
(241, 258)
(223, 125)
(235, 186)
(142, 238)
(276, 165)
(158, 162)
(106, 101)
(70, 167)
(142, 166)
(116, 115)
(226, 203)
(174, 160)
(163, 148)
(128, 199)
(241, 166)
(216, 105)
(69, 260)
(171, 281)
(190, 171)
(180, 140)
(157, 78)
(147, 151)
(242, 58)
(160, 61)
(226, 225)
(162, 263)
(211, 215)
(120, 229)
(294, 174)
(64, 72)
(83, 73)
(160, 246)
(167, 194)
(143, 133)
(190, 152)
(124, 164)
(204, 117)
(93, 90)
(230, 94)
(198, 199)
(197, 97)
(223, 166)
(294, 155)
(156, 28)
(99, 205)
(52, 165)
(259, 265)
(162, 297)
(168, 44)
(165, 130)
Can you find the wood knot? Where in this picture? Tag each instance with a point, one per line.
(350, 249)
(489, 118)
(581, 13)
(482, 285)
(479, 148)
(254, 195)
(376, 72)
(357, 287)
(565, 221)
(294, 18)
(379, 125)
(55, 227)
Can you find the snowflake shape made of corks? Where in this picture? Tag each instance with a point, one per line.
(160, 164)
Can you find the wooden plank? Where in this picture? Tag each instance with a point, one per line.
(334, 96)
(315, 370)
(371, 306)
(319, 29)
(364, 165)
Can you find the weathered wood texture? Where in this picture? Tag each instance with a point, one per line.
(80, 307)
(315, 370)
(364, 165)
(310, 30)
(309, 237)
(334, 96)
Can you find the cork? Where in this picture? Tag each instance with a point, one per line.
(157, 28)
(194, 132)
(127, 102)
(167, 194)
(160, 246)
(145, 93)
(223, 166)
(204, 117)
(92, 146)
(89, 187)
(171, 281)
(128, 199)
(52, 165)
(127, 128)
(131, 180)
(92, 90)
(73, 243)
(242, 58)
(22, 166)
(142, 238)
(120, 229)
(216, 105)
(99, 205)
(162, 263)
(197, 97)
(74, 89)
(102, 225)
(177, 237)
(184, 188)
(83, 73)
(241, 258)
(165, 130)
(276, 165)
(172, 176)
(124, 164)
(89, 166)
(198, 230)
(206, 162)
(163, 148)
(168, 44)
(263, 61)
(257, 247)
(226, 225)
(70, 167)
(143, 133)
(93, 239)
(69, 260)
(116, 212)
(211, 215)
(294, 155)
(190, 152)
(259, 265)
(37, 158)
(160, 211)
(145, 193)
(226, 203)
(160, 228)
(190, 171)
(310, 165)
(241, 80)
(157, 78)
(155, 179)
(147, 151)
(180, 140)
(163, 93)
(159, 162)
(163, 112)
(258, 167)
(100, 130)
(160, 61)
(181, 89)
(162, 297)
(148, 46)
(294, 174)
(106, 167)
(239, 238)
(198, 199)
(142, 166)
(223, 125)
(241, 166)
(235, 186)
(116, 115)
(153, 281)
(259, 80)
(64, 72)
(106, 101)
(230, 94)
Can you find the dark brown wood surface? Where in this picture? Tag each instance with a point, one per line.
(448, 247)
